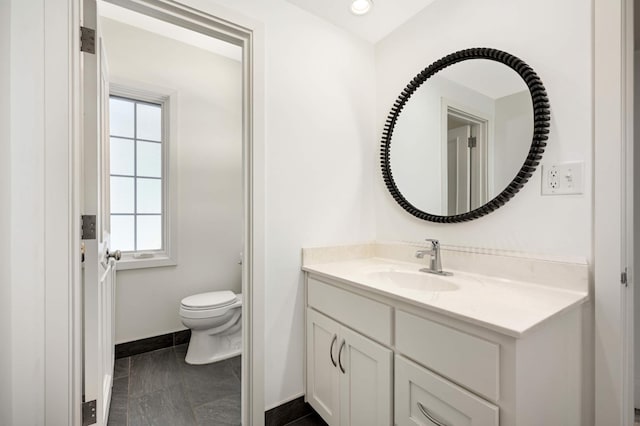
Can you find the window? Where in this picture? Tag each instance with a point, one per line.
(138, 185)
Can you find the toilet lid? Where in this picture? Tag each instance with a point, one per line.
(212, 299)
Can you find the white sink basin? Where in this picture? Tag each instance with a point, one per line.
(415, 280)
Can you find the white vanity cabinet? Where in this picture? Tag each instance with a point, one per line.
(349, 368)
(349, 377)
(374, 359)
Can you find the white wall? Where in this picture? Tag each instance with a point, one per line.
(5, 219)
(559, 225)
(320, 147)
(209, 169)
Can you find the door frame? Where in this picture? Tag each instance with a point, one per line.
(61, 377)
(613, 210)
(485, 122)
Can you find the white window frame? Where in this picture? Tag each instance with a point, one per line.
(167, 256)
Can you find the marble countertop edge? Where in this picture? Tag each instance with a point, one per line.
(508, 318)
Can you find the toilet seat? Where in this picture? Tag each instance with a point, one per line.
(209, 300)
(207, 305)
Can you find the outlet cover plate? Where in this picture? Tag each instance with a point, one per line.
(563, 179)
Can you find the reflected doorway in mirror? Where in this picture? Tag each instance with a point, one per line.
(465, 140)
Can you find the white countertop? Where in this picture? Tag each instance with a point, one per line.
(507, 306)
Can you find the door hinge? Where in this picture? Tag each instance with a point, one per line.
(624, 278)
(87, 40)
(472, 142)
(88, 222)
(89, 413)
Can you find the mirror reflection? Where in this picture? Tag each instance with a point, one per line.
(462, 137)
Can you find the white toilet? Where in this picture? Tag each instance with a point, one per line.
(215, 320)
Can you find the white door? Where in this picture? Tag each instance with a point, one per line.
(458, 169)
(613, 210)
(365, 381)
(99, 270)
(477, 170)
(322, 362)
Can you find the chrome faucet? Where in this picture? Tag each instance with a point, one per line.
(435, 264)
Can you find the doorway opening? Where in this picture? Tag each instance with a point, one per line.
(465, 183)
(172, 91)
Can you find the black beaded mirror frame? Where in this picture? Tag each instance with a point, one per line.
(540, 131)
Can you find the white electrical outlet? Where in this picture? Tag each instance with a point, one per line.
(563, 179)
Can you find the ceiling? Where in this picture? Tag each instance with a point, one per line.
(492, 79)
(165, 29)
(385, 16)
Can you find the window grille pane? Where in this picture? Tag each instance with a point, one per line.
(149, 122)
(122, 156)
(149, 159)
(122, 195)
(149, 236)
(122, 232)
(121, 118)
(136, 151)
(149, 195)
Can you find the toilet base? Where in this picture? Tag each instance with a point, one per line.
(205, 348)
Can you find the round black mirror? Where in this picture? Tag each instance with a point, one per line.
(470, 138)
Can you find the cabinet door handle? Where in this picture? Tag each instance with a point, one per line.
(428, 415)
(333, 342)
(340, 357)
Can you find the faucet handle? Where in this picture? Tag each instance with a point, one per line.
(434, 243)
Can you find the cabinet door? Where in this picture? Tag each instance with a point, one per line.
(423, 398)
(322, 372)
(365, 381)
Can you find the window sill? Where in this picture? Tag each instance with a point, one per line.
(157, 260)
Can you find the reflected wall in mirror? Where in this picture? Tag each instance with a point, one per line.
(470, 137)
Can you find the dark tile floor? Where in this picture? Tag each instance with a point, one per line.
(160, 388)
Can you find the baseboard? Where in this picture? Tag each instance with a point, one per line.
(287, 412)
(154, 343)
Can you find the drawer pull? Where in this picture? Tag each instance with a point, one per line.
(428, 415)
(340, 357)
(333, 342)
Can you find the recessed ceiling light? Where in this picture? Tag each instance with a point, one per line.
(360, 7)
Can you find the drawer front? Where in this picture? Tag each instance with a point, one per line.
(367, 316)
(424, 398)
(468, 360)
